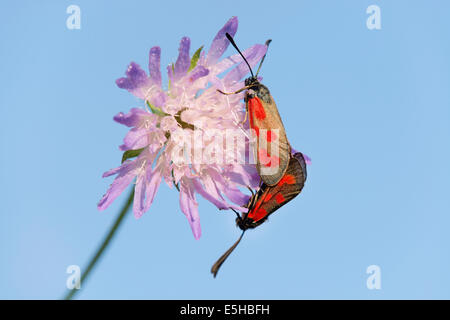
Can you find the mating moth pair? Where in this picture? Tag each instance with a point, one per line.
(283, 174)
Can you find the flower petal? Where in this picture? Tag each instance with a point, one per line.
(245, 175)
(135, 78)
(170, 73)
(136, 138)
(236, 195)
(190, 209)
(157, 98)
(139, 196)
(253, 55)
(183, 61)
(111, 172)
(154, 65)
(220, 42)
(127, 173)
(132, 118)
(307, 159)
(210, 194)
(228, 62)
(198, 72)
(154, 181)
(233, 193)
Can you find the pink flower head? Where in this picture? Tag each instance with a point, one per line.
(191, 103)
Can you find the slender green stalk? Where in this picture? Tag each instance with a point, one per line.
(105, 243)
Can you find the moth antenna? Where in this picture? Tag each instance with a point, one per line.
(218, 264)
(230, 38)
(262, 60)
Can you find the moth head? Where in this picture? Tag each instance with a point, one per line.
(250, 81)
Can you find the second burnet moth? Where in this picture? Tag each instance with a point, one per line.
(268, 199)
(265, 121)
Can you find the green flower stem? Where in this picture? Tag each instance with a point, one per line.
(104, 245)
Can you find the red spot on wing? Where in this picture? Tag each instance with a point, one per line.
(259, 214)
(263, 157)
(252, 121)
(274, 162)
(279, 198)
(288, 179)
(255, 106)
(256, 130)
(267, 160)
(271, 136)
(268, 197)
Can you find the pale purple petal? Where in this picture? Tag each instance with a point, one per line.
(235, 195)
(211, 195)
(132, 118)
(154, 65)
(245, 175)
(220, 42)
(307, 159)
(135, 78)
(136, 138)
(154, 180)
(210, 191)
(170, 72)
(253, 55)
(228, 62)
(111, 172)
(157, 98)
(190, 209)
(211, 179)
(125, 83)
(183, 61)
(198, 72)
(127, 173)
(139, 196)
(177, 173)
(229, 190)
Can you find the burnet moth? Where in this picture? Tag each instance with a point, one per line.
(272, 147)
(267, 200)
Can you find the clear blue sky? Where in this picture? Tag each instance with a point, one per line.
(371, 108)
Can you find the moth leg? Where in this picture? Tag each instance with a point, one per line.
(238, 91)
(236, 213)
(245, 118)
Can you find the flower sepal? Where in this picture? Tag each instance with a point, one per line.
(131, 154)
(156, 110)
